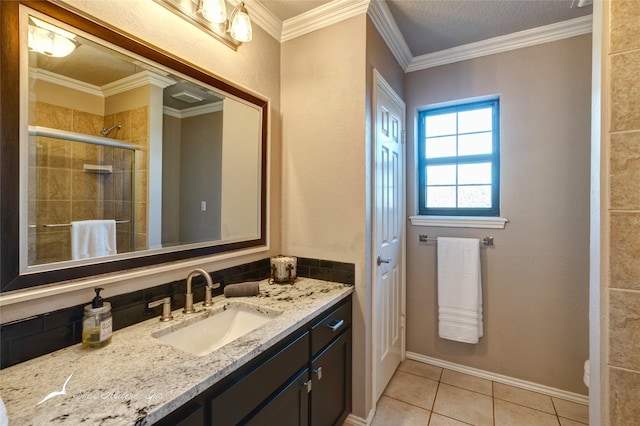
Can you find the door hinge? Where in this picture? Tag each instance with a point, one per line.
(403, 137)
(403, 321)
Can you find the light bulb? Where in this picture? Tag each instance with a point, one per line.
(50, 40)
(49, 43)
(241, 24)
(213, 10)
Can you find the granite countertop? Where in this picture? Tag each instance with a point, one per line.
(137, 379)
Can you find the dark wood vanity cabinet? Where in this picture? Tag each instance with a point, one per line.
(331, 381)
(303, 380)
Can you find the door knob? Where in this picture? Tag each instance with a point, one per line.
(382, 260)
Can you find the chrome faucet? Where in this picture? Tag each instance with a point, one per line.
(188, 303)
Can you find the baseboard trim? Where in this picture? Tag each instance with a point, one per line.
(354, 420)
(523, 384)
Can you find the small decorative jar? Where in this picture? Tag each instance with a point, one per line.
(284, 269)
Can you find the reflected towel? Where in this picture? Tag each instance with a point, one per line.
(93, 238)
(459, 290)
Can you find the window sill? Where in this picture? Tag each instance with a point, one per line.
(460, 221)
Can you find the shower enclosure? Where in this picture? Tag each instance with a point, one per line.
(75, 176)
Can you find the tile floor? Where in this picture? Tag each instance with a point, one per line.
(422, 394)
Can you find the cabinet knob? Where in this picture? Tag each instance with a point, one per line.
(319, 373)
(307, 384)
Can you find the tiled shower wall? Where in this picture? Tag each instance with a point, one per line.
(135, 129)
(61, 191)
(623, 146)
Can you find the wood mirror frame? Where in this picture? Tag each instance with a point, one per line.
(11, 276)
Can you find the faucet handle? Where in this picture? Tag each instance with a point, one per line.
(166, 308)
(207, 293)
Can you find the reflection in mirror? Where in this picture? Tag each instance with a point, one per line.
(187, 169)
(125, 158)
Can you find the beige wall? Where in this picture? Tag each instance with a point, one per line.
(240, 170)
(55, 94)
(200, 177)
(324, 163)
(620, 337)
(171, 161)
(255, 66)
(535, 279)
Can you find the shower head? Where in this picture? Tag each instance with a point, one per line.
(105, 132)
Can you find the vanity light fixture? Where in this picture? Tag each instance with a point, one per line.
(239, 25)
(49, 40)
(213, 11)
(211, 16)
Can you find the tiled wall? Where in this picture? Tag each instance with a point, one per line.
(32, 337)
(135, 129)
(623, 144)
(61, 191)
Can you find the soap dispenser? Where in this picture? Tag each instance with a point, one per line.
(97, 323)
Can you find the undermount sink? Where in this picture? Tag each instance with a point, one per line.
(205, 335)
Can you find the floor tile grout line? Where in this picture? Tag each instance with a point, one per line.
(470, 390)
(452, 418)
(576, 421)
(527, 406)
(493, 402)
(553, 404)
(433, 404)
(418, 375)
(405, 402)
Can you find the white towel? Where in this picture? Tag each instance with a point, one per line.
(459, 289)
(93, 238)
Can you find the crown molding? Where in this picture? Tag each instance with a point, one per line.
(193, 111)
(518, 40)
(61, 80)
(261, 16)
(388, 28)
(321, 17)
(134, 81)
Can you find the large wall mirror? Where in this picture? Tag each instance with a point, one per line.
(116, 155)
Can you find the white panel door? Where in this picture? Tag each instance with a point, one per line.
(388, 250)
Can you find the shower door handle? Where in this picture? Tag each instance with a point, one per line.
(382, 260)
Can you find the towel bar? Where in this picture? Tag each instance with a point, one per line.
(423, 238)
(62, 225)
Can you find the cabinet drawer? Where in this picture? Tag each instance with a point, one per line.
(252, 389)
(330, 327)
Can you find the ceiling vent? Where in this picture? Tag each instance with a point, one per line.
(187, 97)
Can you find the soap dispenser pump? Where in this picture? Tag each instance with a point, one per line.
(97, 323)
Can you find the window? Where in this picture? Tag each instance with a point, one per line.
(459, 160)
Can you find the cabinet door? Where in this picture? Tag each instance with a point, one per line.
(251, 387)
(289, 407)
(331, 380)
(191, 414)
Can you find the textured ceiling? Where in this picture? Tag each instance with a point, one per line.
(285, 9)
(432, 25)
